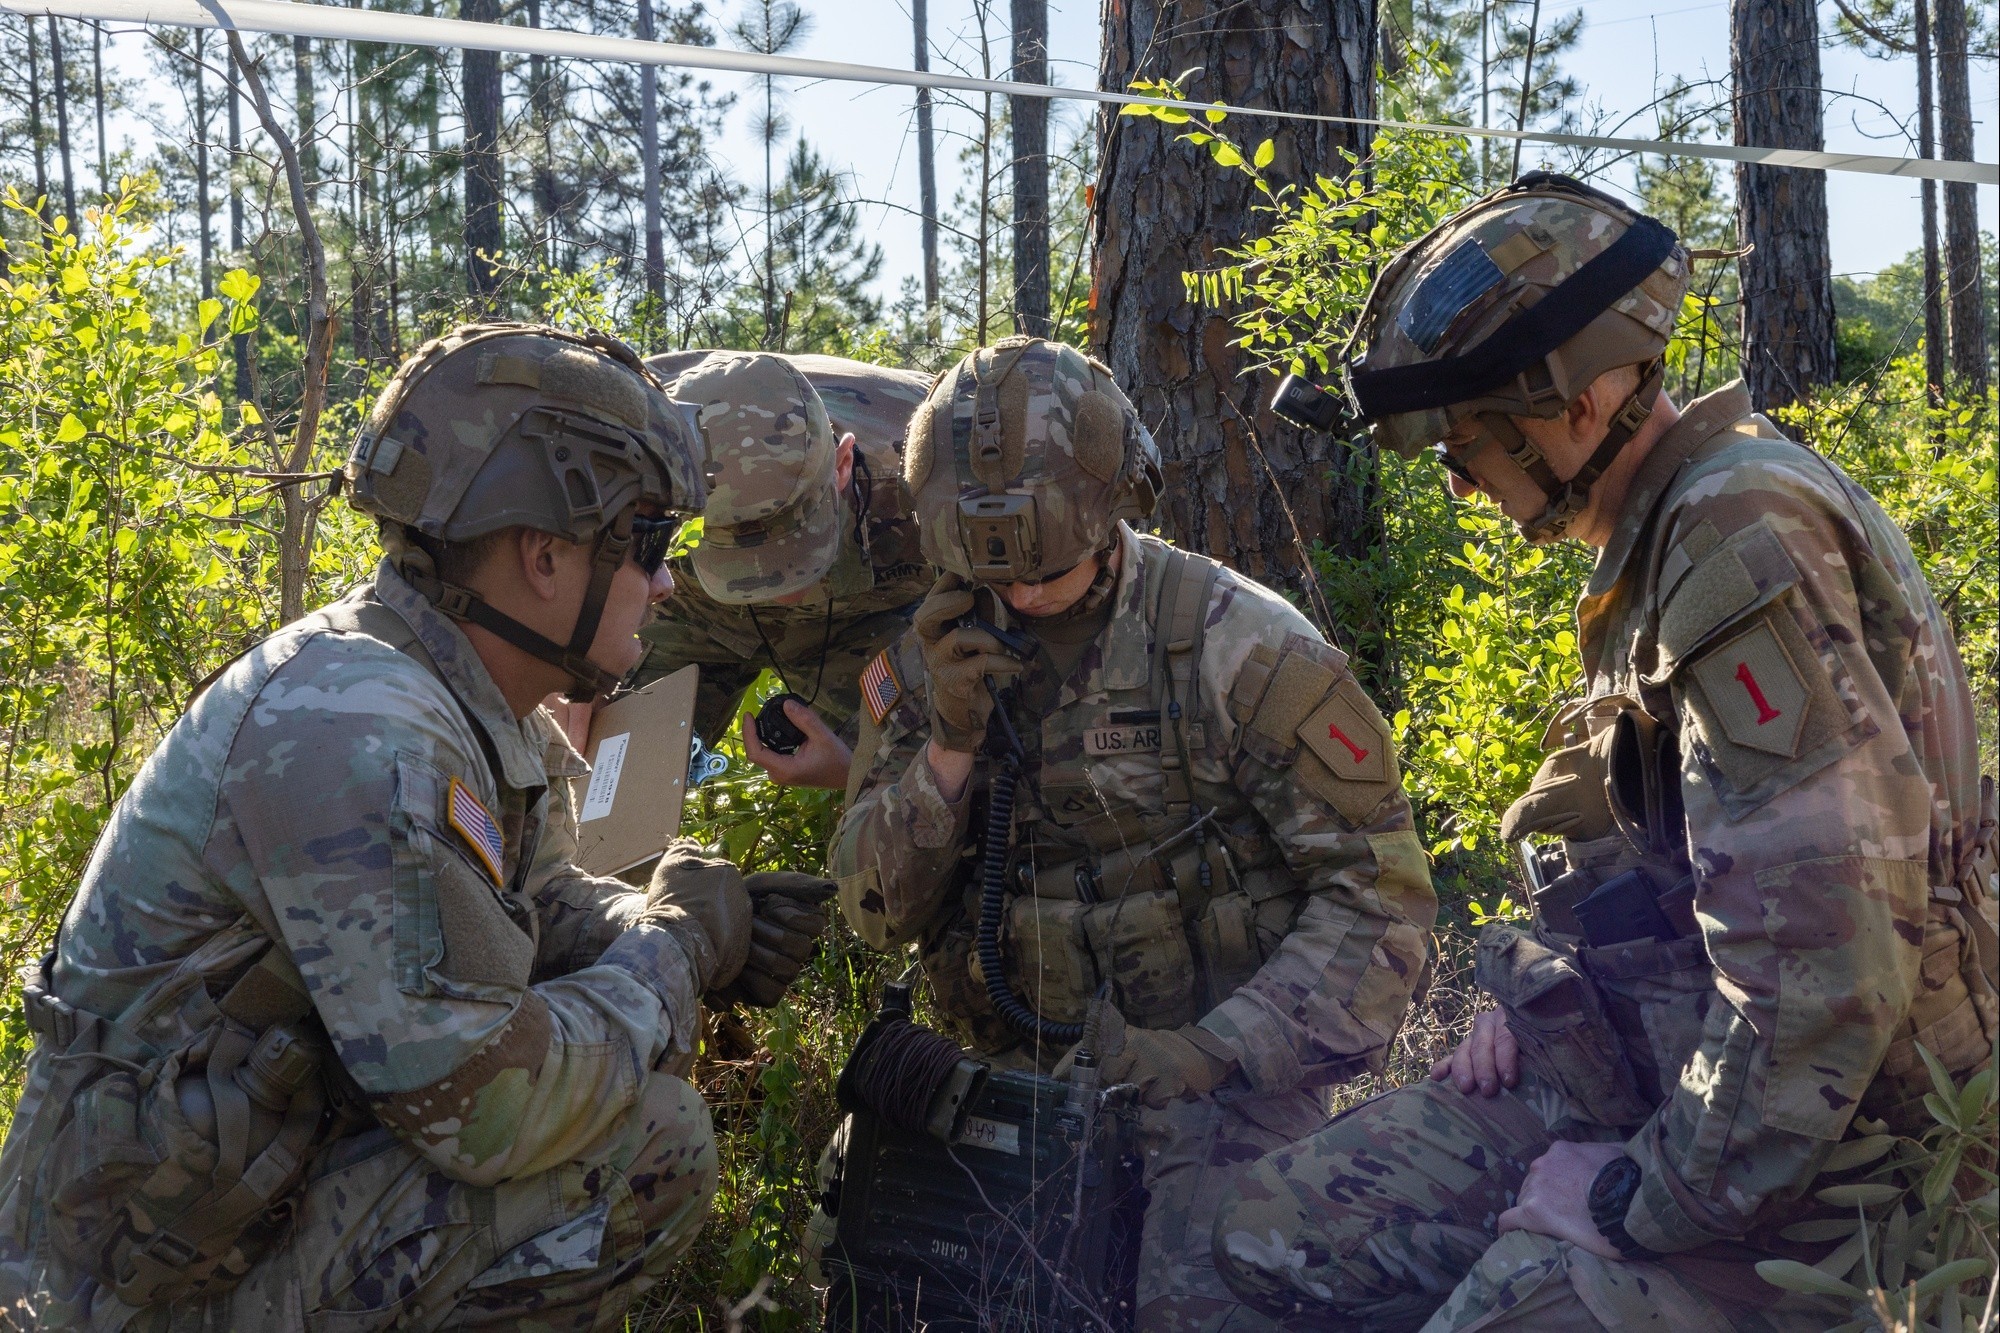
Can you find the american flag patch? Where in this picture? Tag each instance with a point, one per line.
(464, 812)
(879, 687)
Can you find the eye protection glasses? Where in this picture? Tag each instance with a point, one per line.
(652, 539)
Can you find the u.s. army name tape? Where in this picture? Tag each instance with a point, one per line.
(374, 25)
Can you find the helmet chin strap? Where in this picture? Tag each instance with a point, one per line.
(1564, 501)
(587, 679)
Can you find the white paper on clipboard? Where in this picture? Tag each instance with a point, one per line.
(629, 804)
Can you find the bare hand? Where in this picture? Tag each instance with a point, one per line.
(820, 761)
(1555, 1197)
(1488, 1059)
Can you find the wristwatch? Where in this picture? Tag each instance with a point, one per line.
(1610, 1195)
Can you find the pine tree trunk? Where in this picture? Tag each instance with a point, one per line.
(41, 146)
(649, 152)
(306, 108)
(927, 176)
(1934, 338)
(1031, 169)
(1787, 280)
(62, 120)
(1961, 200)
(1241, 485)
(541, 101)
(204, 211)
(97, 99)
(483, 240)
(239, 343)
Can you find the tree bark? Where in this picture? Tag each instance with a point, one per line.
(1241, 485)
(927, 175)
(483, 240)
(1031, 169)
(306, 108)
(649, 150)
(239, 343)
(1961, 201)
(1934, 338)
(204, 212)
(62, 120)
(1787, 280)
(542, 104)
(35, 123)
(97, 99)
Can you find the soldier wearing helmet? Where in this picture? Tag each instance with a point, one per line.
(323, 1037)
(1774, 872)
(808, 564)
(1209, 823)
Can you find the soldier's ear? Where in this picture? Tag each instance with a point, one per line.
(843, 463)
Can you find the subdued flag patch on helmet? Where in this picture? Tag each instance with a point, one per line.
(880, 689)
(1464, 275)
(468, 818)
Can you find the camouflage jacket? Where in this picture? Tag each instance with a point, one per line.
(864, 604)
(378, 816)
(1761, 606)
(1289, 912)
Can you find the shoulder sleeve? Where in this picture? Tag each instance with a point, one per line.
(357, 794)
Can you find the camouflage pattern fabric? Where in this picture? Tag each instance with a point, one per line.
(1314, 928)
(1385, 1220)
(332, 792)
(861, 606)
(1761, 606)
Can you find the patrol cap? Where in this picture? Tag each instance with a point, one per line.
(772, 522)
(1022, 461)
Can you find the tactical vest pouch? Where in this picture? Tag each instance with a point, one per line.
(170, 1177)
(1230, 953)
(1140, 946)
(1051, 963)
(1558, 1018)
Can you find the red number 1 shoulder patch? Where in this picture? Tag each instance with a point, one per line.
(1757, 691)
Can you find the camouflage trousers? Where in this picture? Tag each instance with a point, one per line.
(1192, 1152)
(1385, 1220)
(382, 1240)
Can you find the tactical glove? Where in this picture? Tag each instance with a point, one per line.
(704, 902)
(1163, 1064)
(1567, 796)
(957, 660)
(790, 916)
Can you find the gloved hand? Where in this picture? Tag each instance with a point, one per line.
(789, 917)
(957, 661)
(1163, 1063)
(704, 902)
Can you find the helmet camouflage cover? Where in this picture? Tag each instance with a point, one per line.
(1545, 239)
(494, 426)
(1023, 460)
(772, 522)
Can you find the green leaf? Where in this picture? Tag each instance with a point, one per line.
(1950, 1275)
(1216, 115)
(1267, 152)
(71, 430)
(1856, 1152)
(208, 312)
(1792, 1275)
(239, 284)
(1820, 1230)
(1859, 1196)
(1940, 1079)
(1225, 154)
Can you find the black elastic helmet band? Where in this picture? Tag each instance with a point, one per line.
(1527, 338)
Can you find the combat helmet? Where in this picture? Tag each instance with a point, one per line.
(1513, 307)
(494, 426)
(1023, 460)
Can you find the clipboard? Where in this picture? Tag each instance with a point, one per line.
(629, 804)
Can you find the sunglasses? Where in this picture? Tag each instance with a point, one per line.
(1452, 465)
(652, 540)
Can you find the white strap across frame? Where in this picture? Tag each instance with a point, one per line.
(371, 25)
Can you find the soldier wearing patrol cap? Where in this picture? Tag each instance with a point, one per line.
(1209, 823)
(808, 565)
(324, 1039)
(1775, 872)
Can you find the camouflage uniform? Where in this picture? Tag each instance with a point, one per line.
(527, 1158)
(1759, 606)
(1292, 922)
(721, 616)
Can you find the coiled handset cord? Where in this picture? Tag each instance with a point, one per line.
(1004, 753)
